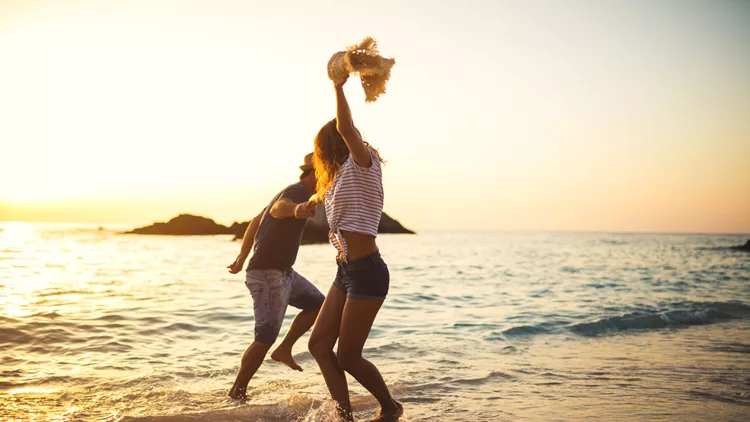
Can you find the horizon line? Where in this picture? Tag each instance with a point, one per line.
(495, 230)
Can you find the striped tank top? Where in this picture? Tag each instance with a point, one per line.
(355, 201)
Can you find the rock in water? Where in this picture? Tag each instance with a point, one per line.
(389, 225)
(184, 225)
(745, 247)
(316, 230)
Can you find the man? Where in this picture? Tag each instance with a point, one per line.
(276, 234)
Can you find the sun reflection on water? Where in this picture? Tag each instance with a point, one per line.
(34, 390)
(17, 289)
(14, 234)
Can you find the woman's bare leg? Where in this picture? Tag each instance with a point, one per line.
(356, 323)
(323, 337)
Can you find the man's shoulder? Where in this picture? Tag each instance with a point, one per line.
(296, 191)
(294, 186)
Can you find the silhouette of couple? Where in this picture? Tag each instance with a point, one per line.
(344, 174)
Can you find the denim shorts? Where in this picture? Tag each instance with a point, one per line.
(272, 291)
(365, 278)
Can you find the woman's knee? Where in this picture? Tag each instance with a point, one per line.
(313, 346)
(348, 360)
(319, 347)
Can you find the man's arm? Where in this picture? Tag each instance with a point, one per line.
(286, 208)
(247, 244)
(249, 238)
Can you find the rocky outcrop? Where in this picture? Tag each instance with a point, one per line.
(316, 230)
(745, 247)
(389, 225)
(185, 225)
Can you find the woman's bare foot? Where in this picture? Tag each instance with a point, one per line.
(237, 393)
(285, 356)
(345, 415)
(392, 415)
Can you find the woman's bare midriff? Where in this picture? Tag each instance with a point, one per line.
(358, 245)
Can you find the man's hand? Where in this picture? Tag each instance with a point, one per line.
(304, 210)
(237, 265)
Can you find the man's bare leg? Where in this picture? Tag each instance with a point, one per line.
(302, 322)
(251, 360)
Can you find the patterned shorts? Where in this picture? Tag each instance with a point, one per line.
(272, 291)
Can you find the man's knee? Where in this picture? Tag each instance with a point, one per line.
(267, 333)
(312, 312)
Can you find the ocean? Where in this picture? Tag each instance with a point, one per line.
(478, 326)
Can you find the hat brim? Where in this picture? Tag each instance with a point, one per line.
(305, 167)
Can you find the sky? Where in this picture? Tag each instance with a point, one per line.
(499, 115)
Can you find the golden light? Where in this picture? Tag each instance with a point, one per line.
(17, 292)
(33, 390)
(14, 234)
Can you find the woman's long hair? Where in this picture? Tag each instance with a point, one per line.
(330, 152)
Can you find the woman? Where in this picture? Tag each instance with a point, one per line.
(351, 186)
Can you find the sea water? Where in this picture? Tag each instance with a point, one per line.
(478, 326)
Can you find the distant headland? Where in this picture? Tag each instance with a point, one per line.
(316, 230)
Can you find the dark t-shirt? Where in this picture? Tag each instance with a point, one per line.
(277, 239)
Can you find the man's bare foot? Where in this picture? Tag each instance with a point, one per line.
(285, 357)
(392, 415)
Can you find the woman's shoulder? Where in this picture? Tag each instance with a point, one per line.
(375, 161)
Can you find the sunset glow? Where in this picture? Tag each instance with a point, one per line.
(623, 117)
